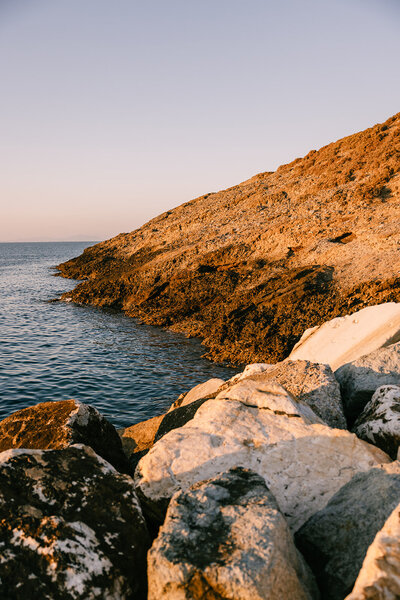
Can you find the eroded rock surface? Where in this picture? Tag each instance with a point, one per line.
(303, 464)
(226, 538)
(359, 379)
(379, 423)
(314, 384)
(249, 268)
(59, 425)
(70, 527)
(379, 577)
(335, 540)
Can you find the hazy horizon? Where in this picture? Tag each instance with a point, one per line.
(111, 115)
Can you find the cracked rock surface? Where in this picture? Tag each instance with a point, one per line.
(226, 538)
(303, 462)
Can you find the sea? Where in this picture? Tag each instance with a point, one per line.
(56, 351)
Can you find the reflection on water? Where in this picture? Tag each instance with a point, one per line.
(55, 351)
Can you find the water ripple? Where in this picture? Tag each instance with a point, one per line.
(56, 351)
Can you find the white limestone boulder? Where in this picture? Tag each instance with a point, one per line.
(302, 461)
(271, 396)
(335, 540)
(380, 573)
(360, 378)
(345, 339)
(226, 538)
(379, 423)
(202, 390)
(314, 384)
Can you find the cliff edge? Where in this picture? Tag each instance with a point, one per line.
(248, 269)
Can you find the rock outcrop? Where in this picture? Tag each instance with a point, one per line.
(379, 423)
(380, 573)
(226, 538)
(56, 425)
(359, 379)
(303, 463)
(70, 527)
(250, 268)
(335, 540)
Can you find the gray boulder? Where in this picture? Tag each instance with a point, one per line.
(359, 379)
(379, 577)
(70, 527)
(379, 423)
(226, 538)
(335, 540)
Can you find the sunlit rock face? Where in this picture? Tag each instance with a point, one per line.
(345, 339)
(335, 540)
(302, 461)
(55, 425)
(250, 268)
(70, 527)
(226, 538)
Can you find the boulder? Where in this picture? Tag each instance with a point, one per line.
(302, 461)
(314, 384)
(226, 538)
(345, 339)
(335, 540)
(56, 425)
(379, 423)
(70, 527)
(271, 396)
(360, 378)
(203, 390)
(380, 573)
(138, 439)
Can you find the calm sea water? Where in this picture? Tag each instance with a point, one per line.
(55, 351)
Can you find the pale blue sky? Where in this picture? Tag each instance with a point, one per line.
(114, 111)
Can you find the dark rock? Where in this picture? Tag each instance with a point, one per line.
(70, 527)
(335, 540)
(56, 425)
(178, 417)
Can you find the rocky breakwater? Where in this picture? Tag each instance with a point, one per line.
(248, 269)
(249, 489)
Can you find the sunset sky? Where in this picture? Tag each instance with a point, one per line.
(112, 112)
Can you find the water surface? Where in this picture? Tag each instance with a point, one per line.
(56, 351)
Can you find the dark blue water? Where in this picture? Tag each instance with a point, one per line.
(56, 351)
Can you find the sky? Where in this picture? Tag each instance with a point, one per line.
(113, 112)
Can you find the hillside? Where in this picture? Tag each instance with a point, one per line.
(249, 268)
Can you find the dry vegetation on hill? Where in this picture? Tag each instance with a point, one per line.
(249, 268)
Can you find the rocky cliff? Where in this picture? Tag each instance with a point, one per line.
(249, 268)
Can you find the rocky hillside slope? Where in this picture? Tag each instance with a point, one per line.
(249, 268)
